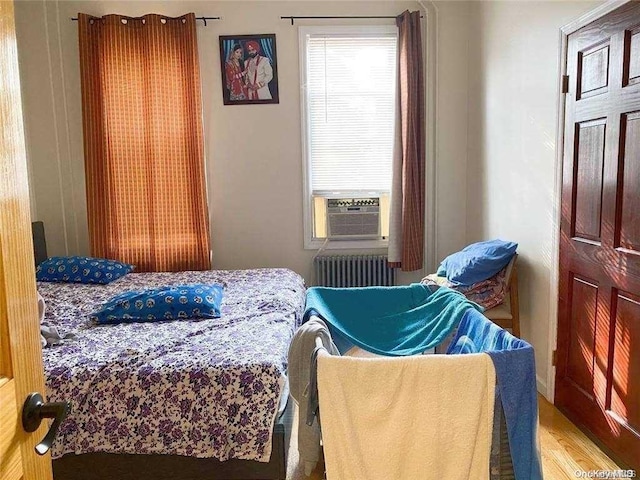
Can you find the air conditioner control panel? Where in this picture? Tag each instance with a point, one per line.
(353, 202)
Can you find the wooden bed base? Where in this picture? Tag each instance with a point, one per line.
(109, 466)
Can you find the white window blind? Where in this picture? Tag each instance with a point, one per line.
(351, 100)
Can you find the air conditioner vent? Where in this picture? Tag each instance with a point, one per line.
(353, 218)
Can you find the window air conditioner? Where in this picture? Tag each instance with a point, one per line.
(353, 218)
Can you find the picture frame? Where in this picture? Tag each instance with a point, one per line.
(249, 69)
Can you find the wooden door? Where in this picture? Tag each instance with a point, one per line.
(20, 354)
(598, 362)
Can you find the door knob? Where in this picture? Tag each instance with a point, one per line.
(35, 409)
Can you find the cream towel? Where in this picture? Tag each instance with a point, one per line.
(425, 417)
(41, 309)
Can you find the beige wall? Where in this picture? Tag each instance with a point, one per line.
(254, 163)
(513, 80)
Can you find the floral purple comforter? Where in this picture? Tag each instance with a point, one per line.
(202, 388)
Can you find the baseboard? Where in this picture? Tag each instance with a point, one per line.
(542, 386)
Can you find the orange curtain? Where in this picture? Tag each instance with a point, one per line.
(406, 239)
(143, 145)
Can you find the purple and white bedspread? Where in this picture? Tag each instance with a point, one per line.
(201, 388)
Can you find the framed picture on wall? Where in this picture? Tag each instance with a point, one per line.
(249, 69)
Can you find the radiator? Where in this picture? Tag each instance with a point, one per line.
(353, 271)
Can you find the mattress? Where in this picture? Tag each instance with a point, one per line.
(206, 388)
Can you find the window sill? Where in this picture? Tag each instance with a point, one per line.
(317, 244)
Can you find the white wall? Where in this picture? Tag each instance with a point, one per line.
(451, 126)
(513, 82)
(254, 163)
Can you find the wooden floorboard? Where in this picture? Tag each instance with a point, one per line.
(564, 448)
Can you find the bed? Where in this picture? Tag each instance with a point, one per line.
(176, 399)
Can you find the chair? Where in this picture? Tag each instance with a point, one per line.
(507, 314)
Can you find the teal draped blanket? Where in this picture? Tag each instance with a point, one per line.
(392, 321)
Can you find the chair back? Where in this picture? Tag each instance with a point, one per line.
(510, 270)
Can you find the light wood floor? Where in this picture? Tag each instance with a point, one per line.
(565, 449)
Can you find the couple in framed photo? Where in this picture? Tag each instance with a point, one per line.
(249, 69)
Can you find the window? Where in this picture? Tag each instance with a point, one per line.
(348, 77)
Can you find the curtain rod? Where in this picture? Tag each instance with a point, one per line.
(204, 19)
(331, 17)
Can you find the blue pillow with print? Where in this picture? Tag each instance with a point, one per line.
(176, 302)
(81, 270)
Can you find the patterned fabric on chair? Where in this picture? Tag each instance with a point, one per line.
(498, 295)
(507, 314)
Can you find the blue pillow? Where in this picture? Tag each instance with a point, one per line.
(477, 262)
(81, 270)
(165, 303)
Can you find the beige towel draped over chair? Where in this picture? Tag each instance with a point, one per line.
(425, 417)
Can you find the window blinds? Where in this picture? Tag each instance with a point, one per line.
(351, 98)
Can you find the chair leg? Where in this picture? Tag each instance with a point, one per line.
(515, 306)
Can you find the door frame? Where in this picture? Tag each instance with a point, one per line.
(554, 297)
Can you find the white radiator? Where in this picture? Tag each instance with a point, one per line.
(353, 271)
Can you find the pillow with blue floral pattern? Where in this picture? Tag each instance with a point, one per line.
(81, 270)
(177, 302)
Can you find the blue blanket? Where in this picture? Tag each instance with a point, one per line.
(392, 321)
(516, 376)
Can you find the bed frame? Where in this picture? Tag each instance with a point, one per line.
(109, 466)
